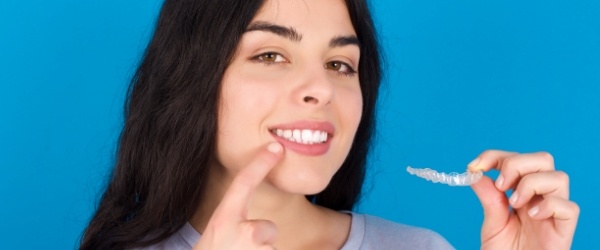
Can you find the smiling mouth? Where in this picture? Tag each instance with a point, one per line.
(302, 136)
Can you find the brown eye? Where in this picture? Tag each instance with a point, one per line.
(340, 67)
(335, 65)
(269, 57)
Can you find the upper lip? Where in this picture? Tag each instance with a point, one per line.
(312, 125)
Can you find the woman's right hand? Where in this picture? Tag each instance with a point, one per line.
(229, 226)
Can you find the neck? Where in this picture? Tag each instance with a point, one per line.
(293, 214)
(268, 202)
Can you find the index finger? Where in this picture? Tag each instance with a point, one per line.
(236, 199)
(513, 166)
(489, 159)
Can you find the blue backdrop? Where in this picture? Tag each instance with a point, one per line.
(462, 77)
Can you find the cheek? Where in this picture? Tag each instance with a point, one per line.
(244, 105)
(228, 129)
(352, 108)
(350, 111)
(246, 93)
(358, 108)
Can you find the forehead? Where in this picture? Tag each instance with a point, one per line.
(308, 15)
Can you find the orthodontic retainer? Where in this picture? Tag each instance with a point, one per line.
(453, 179)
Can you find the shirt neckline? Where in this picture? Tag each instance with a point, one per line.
(354, 241)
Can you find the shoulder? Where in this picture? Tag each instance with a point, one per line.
(378, 233)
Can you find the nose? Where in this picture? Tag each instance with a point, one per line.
(316, 89)
(311, 100)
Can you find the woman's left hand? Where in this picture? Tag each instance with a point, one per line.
(542, 216)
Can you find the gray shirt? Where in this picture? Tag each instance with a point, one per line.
(366, 233)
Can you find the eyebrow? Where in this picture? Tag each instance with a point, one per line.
(288, 33)
(341, 41)
(292, 35)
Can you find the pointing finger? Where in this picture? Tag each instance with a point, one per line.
(264, 232)
(238, 196)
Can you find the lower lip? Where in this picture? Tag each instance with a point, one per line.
(305, 149)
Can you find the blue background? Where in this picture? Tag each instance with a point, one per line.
(462, 77)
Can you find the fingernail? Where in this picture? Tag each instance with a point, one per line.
(533, 211)
(499, 182)
(274, 147)
(513, 198)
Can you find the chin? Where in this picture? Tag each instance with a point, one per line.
(294, 187)
(300, 179)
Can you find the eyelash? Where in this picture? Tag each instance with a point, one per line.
(350, 72)
(257, 58)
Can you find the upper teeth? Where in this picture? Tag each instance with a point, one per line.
(304, 136)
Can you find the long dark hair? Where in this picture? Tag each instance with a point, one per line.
(171, 122)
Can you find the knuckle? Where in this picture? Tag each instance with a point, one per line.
(526, 183)
(575, 208)
(548, 204)
(249, 229)
(496, 200)
(489, 153)
(260, 231)
(546, 156)
(563, 177)
(509, 161)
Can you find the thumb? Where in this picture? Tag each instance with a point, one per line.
(495, 207)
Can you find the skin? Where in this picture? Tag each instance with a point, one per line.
(268, 84)
(272, 80)
(542, 215)
(255, 195)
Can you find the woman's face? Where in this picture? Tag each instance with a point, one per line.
(293, 80)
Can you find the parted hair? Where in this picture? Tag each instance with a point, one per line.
(170, 124)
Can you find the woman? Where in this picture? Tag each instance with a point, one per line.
(249, 123)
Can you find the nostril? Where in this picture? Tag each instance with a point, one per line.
(310, 99)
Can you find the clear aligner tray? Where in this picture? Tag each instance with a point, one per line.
(453, 179)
